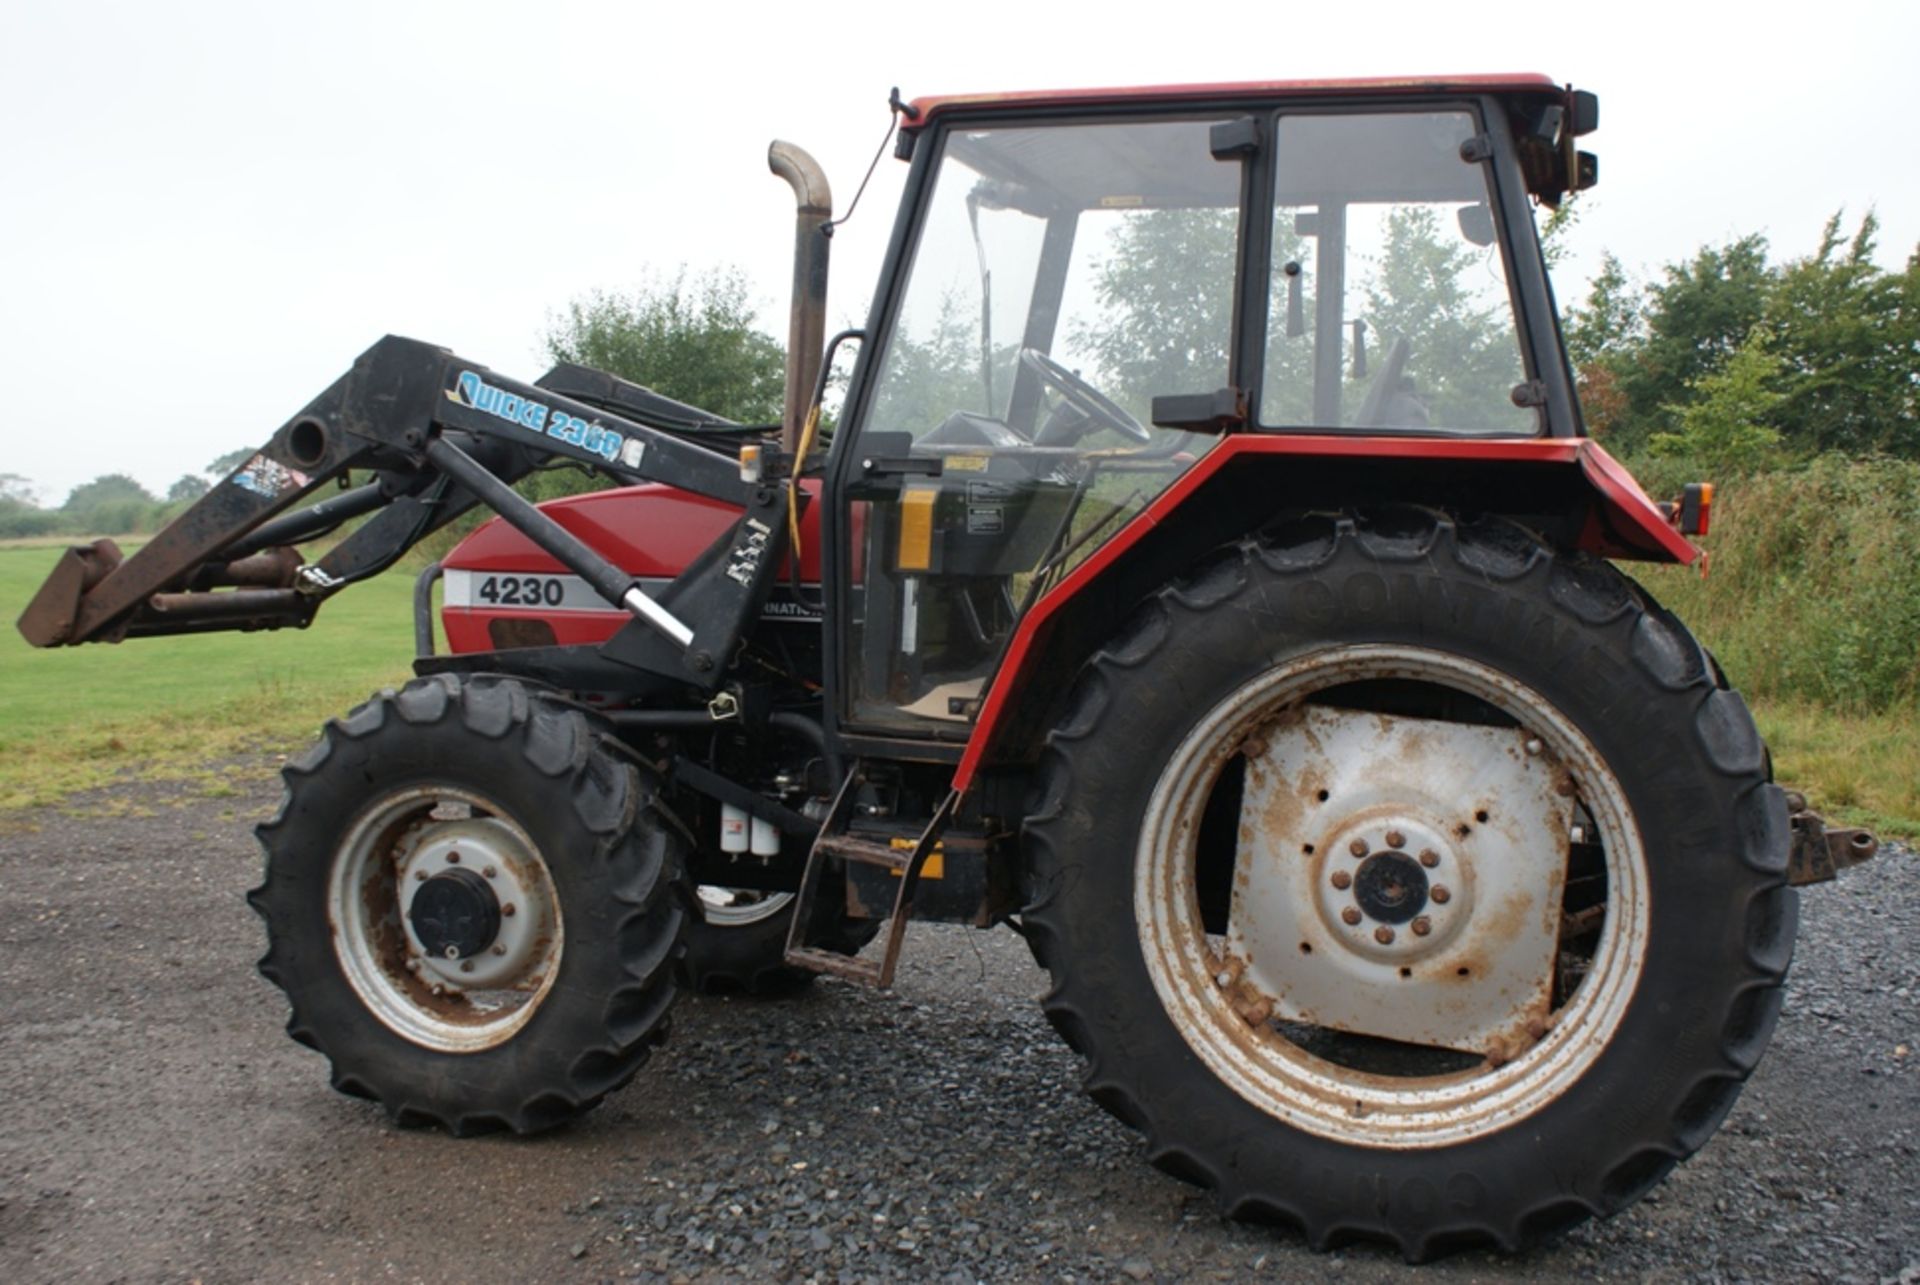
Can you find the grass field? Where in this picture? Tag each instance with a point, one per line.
(169, 708)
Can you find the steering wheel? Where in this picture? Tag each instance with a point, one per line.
(1382, 387)
(1082, 396)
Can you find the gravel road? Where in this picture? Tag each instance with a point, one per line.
(158, 1126)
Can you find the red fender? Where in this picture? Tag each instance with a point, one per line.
(1623, 524)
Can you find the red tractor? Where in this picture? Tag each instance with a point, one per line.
(1207, 575)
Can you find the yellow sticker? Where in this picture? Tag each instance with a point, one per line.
(966, 463)
(936, 866)
(916, 528)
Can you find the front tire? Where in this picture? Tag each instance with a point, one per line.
(473, 906)
(1245, 930)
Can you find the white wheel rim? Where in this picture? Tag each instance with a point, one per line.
(448, 1005)
(738, 907)
(1308, 1091)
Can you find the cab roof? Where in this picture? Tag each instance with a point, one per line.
(922, 111)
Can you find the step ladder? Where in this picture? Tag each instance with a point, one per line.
(836, 842)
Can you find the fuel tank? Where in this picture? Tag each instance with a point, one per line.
(502, 590)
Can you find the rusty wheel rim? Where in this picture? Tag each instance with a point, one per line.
(431, 994)
(1282, 1066)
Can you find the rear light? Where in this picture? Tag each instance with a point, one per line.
(1696, 508)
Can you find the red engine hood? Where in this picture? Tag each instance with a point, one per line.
(651, 530)
(497, 576)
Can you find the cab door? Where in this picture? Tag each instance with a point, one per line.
(1055, 279)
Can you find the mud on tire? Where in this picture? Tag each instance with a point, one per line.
(1683, 837)
(520, 813)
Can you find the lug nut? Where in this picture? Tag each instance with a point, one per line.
(1358, 847)
(1351, 915)
(453, 858)
(1422, 926)
(1534, 745)
(1440, 894)
(413, 965)
(1429, 858)
(1395, 839)
(509, 910)
(489, 871)
(499, 948)
(1341, 879)
(466, 965)
(1383, 935)
(420, 875)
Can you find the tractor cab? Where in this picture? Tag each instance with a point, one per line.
(1085, 299)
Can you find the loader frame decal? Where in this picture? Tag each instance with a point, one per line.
(268, 477)
(469, 389)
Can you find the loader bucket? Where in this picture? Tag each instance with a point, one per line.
(48, 619)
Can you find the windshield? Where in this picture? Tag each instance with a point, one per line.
(1063, 277)
(1109, 248)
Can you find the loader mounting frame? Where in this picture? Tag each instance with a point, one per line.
(439, 434)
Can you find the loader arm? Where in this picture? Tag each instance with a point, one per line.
(439, 434)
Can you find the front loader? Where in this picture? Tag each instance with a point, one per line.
(1207, 575)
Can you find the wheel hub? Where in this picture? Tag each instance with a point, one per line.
(475, 906)
(1390, 887)
(455, 914)
(1393, 872)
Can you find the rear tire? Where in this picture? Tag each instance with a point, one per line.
(1290, 1117)
(473, 906)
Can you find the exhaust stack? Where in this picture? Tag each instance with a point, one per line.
(807, 316)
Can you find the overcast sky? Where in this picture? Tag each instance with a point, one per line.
(208, 209)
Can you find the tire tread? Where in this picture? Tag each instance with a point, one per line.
(610, 797)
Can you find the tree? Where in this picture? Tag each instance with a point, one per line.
(1612, 323)
(1461, 340)
(189, 486)
(113, 504)
(1843, 334)
(232, 460)
(930, 376)
(1165, 291)
(1603, 336)
(1726, 424)
(1165, 294)
(692, 340)
(107, 489)
(1697, 316)
(20, 511)
(1554, 233)
(16, 489)
(1847, 354)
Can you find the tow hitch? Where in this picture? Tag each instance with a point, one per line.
(1820, 851)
